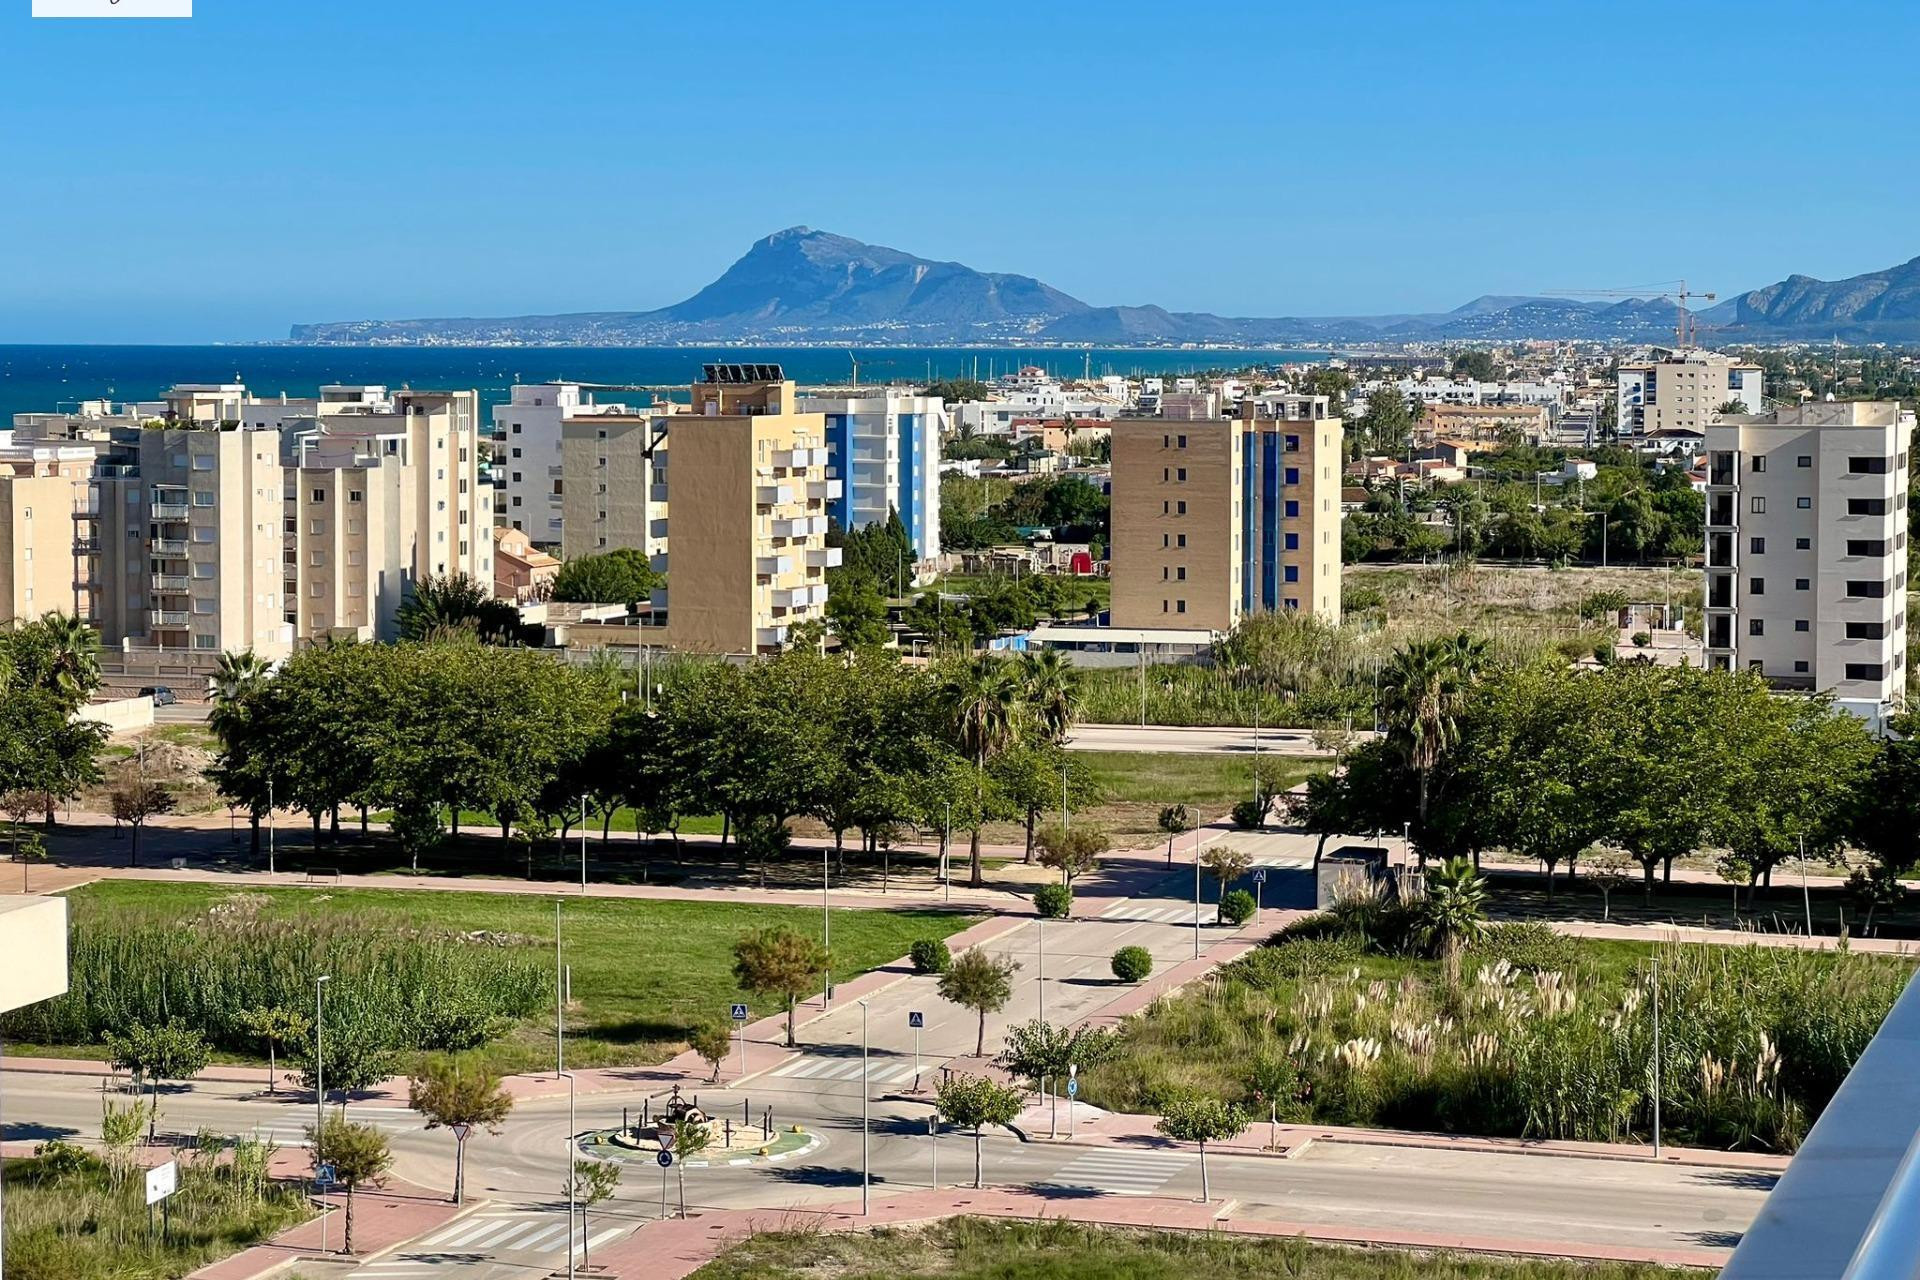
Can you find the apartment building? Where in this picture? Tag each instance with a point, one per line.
(884, 448)
(1216, 518)
(227, 522)
(750, 491)
(46, 528)
(528, 439)
(614, 476)
(1684, 389)
(1806, 579)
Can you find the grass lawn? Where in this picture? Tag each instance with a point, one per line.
(644, 972)
(1138, 784)
(987, 1249)
(1076, 591)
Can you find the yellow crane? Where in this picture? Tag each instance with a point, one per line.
(1686, 325)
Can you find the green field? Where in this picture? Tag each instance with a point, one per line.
(1138, 784)
(644, 972)
(984, 1249)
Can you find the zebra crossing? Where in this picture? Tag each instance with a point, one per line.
(1141, 911)
(290, 1133)
(518, 1232)
(1119, 1173)
(882, 1069)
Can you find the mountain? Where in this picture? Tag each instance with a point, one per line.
(1880, 306)
(807, 286)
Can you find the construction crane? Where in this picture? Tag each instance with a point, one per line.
(1686, 325)
(852, 356)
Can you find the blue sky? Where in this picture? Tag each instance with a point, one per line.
(273, 161)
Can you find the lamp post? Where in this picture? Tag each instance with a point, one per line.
(320, 1081)
(583, 842)
(572, 1168)
(1040, 933)
(559, 1001)
(866, 1179)
(826, 928)
(270, 826)
(1196, 892)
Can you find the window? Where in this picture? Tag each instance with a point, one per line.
(1183, 441)
(206, 642)
(1869, 466)
(1293, 542)
(1291, 574)
(1759, 465)
(316, 527)
(1166, 540)
(1757, 586)
(1866, 631)
(1803, 584)
(1801, 624)
(1804, 504)
(1756, 626)
(1179, 606)
(1165, 573)
(1866, 547)
(1803, 460)
(1181, 475)
(1166, 474)
(1166, 442)
(1180, 540)
(1866, 671)
(1803, 544)
(516, 428)
(354, 495)
(516, 477)
(1801, 666)
(1292, 444)
(1758, 506)
(1867, 506)
(1867, 588)
(316, 558)
(1180, 508)
(1757, 546)
(1293, 475)
(516, 448)
(202, 498)
(1292, 509)
(1290, 603)
(1180, 574)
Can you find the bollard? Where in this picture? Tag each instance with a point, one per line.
(726, 1128)
(746, 1112)
(646, 1113)
(626, 1121)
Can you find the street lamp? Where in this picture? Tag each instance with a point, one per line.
(826, 929)
(559, 1000)
(572, 1167)
(865, 1176)
(270, 826)
(1196, 891)
(320, 1086)
(583, 842)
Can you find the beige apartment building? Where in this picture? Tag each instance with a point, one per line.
(225, 522)
(1684, 389)
(1806, 579)
(1216, 518)
(46, 528)
(613, 484)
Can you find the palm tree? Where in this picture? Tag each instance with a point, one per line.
(986, 703)
(1053, 691)
(1421, 692)
(237, 675)
(1453, 913)
(74, 665)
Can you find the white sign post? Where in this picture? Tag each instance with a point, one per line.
(916, 1020)
(162, 1180)
(739, 1012)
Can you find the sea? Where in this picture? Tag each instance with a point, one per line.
(52, 378)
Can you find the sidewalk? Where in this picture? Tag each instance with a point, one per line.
(668, 1249)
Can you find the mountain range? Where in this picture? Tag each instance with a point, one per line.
(802, 286)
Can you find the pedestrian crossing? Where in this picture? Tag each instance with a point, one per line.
(1119, 1173)
(1141, 911)
(521, 1233)
(1290, 863)
(886, 1069)
(290, 1133)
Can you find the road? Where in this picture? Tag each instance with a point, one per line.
(1202, 740)
(521, 1233)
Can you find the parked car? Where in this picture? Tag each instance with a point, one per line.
(162, 696)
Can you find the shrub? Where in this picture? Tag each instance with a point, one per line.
(1641, 639)
(1292, 958)
(1236, 906)
(1529, 946)
(1132, 964)
(930, 955)
(1053, 901)
(1597, 605)
(1603, 652)
(1249, 814)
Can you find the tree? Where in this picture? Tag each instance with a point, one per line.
(1072, 851)
(1189, 1117)
(1607, 873)
(779, 962)
(856, 609)
(154, 1054)
(1052, 692)
(358, 1153)
(986, 705)
(982, 983)
(1039, 1051)
(73, 657)
(1422, 690)
(238, 675)
(974, 1102)
(1477, 365)
(276, 1028)
(1175, 820)
(357, 1059)
(956, 390)
(588, 1183)
(621, 576)
(712, 1041)
(690, 1139)
(1870, 888)
(450, 603)
(1453, 913)
(134, 799)
(1387, 422)
(458, 1095)
(1132, 964)
(1885, 816)
(1224, 864)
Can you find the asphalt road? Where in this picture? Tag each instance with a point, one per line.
(1205, 740)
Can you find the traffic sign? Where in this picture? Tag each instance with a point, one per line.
(1073, 1087)
(324, 1175)
(739, 1013)
(460, 1131)
(916, 1019)
(666, 1160)
(667, 1137)
(1259, 875)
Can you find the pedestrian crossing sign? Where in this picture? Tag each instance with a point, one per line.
(916, 1020)
(739, 1013)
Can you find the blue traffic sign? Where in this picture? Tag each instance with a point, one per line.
(916, 1020)
(325, 1175)
(1259, 875)
(666, 1159)
(1073, 1087)
(739, 1013)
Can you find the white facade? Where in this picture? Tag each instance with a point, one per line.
(1806, 579)
(527, 432)
(884, 449)
(1684, 389)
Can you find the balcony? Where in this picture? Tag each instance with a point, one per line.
(1722, 473)
(799, 597)
(171, 583)
(90, 511)
(768, 495)
(799, 459)
(167, 617)
(825, 490)
(769, 637)
(174, 547)
(86, 546)
(657, 493)
(802, 527)
(772, 566)
(1720, 551)
(1720, 633)
(170, 510)
(1720, 512)
(1720, 591)
(824, 557)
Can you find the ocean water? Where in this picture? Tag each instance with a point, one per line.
(46, 378)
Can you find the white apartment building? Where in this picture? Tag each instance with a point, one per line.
(1806, 579)
(528, 433)
(884, 448)
(1684, 389)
